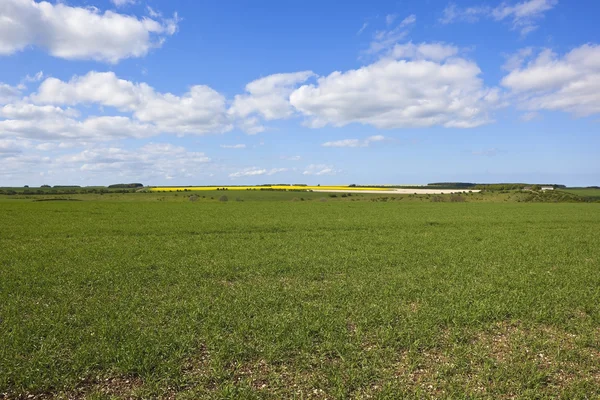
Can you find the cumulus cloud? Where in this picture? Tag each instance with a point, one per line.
(8, 93)
(390, 93)
(233, 146)
(199, 111)
(78, 33)
(524, 16)
(9, 147)
(549, 82)
(354, 142)
(319, 170)
(254, 171)
(268, 98)
(58, 126)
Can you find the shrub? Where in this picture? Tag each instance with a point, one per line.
(223, 198)
(457, 199)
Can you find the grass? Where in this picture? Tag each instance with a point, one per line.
(151, 295)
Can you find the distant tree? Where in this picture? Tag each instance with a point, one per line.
(126, 186)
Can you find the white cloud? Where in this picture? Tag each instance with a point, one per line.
(452, 13)
(344, 143)
(149, 163)
(161, 158)
(411, 19)
(523, 15)
(35, 78)
(60, 127)
(26, 111)
(123, 3)
(10, 147)
(8, 93)
(362, 28)
(291, 158)
(267, 97)
(319, 170)
(274, 171)
(390, 18)
(385, 39)
(530, 116)
(254, 171)
(354, 142)
(570, 83)
(400, 93)
(516, 60)
(79, 33)
(199, 111)
(233, 146)
(423, 51)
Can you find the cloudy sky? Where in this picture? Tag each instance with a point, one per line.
(267, 91)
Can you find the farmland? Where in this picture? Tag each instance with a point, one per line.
(264, 187)
(298, 295)
(584, 192)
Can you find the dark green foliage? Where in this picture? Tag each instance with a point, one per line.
(126, 186)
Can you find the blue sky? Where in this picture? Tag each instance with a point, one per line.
(386, 92)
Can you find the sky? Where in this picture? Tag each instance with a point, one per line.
(97, 92)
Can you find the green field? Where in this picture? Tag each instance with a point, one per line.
(584, 192)
(149, 295)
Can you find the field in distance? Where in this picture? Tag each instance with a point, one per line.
(151, 295)
(265, 187)
(324, 189)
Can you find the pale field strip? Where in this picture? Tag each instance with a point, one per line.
(398, 191)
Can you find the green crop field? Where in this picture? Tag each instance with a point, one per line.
(286, 295)
(584, 192)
